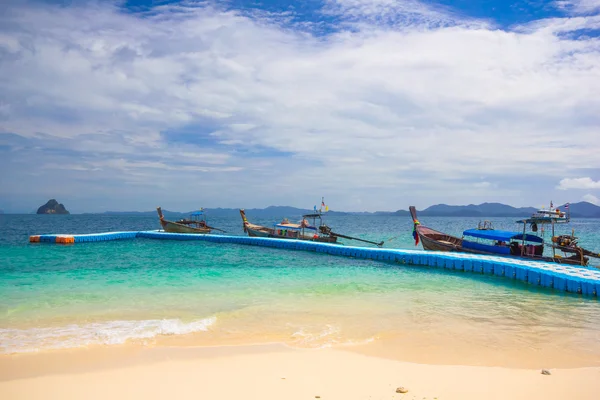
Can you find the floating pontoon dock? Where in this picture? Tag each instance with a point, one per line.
(562, 277)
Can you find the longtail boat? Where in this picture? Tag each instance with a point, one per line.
(287, 230)
(311, 227)
(487, 240)
(196, 223)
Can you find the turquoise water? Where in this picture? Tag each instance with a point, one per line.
(154, 292)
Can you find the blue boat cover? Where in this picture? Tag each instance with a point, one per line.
(197, 213)
(504, 236)
(486, 248)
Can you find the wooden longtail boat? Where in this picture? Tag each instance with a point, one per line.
(305, 230)
(501, 243)
(286, 230)
(195, 224)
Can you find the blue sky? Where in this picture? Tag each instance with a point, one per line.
(374, 104)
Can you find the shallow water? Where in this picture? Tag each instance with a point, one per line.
(199, 293)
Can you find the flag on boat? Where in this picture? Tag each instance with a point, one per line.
(415, 234)
(323, 205)
(567, 205)
(551, 205)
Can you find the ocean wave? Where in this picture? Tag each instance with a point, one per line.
(98, 333)
(329, 336)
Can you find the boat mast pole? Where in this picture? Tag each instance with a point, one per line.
(523, 239)
(553, 247)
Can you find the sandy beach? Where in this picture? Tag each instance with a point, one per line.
(272, 372)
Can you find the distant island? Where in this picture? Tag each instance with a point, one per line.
(578, 210)
(52, 207)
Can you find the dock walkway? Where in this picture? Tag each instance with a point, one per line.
(562, 277)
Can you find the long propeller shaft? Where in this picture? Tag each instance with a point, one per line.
(353, 238)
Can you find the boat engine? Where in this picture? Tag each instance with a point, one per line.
(565, 240)
(324, 229)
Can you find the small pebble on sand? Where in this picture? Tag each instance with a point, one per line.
(401, 389)
(546, 372)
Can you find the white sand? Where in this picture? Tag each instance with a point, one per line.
(270, 373)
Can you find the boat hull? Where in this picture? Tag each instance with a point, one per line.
(437, 241)
(264, 232)
(174, 227)
(257, 233)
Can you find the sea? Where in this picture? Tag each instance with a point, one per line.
(152, 293)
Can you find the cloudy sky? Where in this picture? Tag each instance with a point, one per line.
(374, 104)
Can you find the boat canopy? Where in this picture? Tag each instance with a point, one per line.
(288, 226)
(311, 216)
(295, 227)
(196, 213)
(504, 236)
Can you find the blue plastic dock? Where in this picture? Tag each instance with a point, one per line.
(566, 278)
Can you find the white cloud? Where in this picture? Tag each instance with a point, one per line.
(357, 112)
(590, 198)
(579, 6)
(554, 26)
(578, 183)
(395, 13)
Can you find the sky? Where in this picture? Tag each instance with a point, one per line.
(373, 104)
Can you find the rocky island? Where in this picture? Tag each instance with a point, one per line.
(52, 207)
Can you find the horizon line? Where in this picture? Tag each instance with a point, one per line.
(298, 208)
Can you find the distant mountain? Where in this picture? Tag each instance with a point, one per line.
(578, 210)
(583, 210)
(271, 211)
(481, 210)
(168, 214)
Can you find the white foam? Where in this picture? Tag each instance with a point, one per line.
(329, 336)
(107, 333)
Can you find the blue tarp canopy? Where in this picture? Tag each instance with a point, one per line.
(198, 212)
(504, 236)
